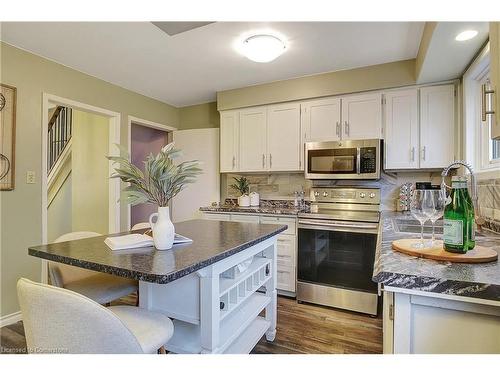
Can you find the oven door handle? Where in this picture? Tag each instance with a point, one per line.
(339, 226)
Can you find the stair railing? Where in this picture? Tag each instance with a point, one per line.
(59, 134)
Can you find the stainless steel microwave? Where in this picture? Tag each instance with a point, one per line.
(347, 160)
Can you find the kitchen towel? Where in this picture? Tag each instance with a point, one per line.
(135, 240)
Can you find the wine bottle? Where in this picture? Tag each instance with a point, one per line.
(456, 217)
(471, 222)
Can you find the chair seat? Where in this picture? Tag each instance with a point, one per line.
(152, 329)
(103, 288)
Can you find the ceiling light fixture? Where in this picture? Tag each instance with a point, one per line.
(466, 35)
(262, 48)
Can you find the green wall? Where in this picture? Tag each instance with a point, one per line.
(199, 116)
(21, 210)
(375, 77)
(89, 173)
(59, 212)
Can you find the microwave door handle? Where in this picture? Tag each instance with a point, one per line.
(358, 160)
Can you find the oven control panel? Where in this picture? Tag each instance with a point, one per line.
(346, 195)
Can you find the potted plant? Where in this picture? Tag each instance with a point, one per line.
(161, 180)
(242, 186)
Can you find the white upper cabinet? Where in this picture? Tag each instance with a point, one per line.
(362, 116)
(253, 134)
(229, 141)
(283, 137)
(321, 120)
(437, 126)
(401, 129)
(418, 129)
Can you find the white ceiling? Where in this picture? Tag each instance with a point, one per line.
(190, 67)
(447, 58)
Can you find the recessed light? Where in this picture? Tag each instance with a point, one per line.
(262, 48)
(466, 35)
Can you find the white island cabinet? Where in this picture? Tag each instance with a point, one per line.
(214, 313)
(286, 245)
(417, 322)
(219, 289)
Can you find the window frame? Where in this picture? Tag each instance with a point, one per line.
(477, 140)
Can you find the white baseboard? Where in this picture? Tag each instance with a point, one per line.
(10, 319)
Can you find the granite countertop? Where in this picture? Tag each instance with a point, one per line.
(212, 242)
(269, 207)
(480, 280)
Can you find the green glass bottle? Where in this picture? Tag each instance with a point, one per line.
(471, 222)
(456, 218)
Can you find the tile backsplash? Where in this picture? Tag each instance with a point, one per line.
(283, 185)
(269, 186)
(488, 192)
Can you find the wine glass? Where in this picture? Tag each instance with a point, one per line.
(438, 198)
(417, 211)
(428, 208)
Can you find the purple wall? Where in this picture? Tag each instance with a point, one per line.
(144, 141)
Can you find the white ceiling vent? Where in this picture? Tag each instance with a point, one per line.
(174, 28)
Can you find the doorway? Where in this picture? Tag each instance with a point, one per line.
(145, 137)
(78, 176)
(76, 137)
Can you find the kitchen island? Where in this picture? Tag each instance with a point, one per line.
(434, 306)
(214, 306)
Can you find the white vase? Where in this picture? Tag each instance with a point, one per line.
(163, 229)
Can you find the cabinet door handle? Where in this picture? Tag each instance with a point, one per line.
(484, 92)
(234, 161)
(423, 153)
(263, 161)
(337, 129)
(413, 153)
(270, 160)
(346, 128)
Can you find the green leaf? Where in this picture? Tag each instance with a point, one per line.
(161, 179)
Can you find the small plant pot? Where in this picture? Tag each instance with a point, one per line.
(244, 201)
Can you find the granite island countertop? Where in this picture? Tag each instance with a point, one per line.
(212, 242)
(480, 280)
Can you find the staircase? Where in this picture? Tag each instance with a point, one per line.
(59, 135)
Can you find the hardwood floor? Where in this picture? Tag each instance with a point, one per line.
(302, 329)
(311, 329)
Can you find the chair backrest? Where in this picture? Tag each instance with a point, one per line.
(61, 274)
(58, 320)
(139, 226)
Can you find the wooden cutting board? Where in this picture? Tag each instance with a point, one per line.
(479, 254)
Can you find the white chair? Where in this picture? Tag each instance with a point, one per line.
(140, 226)
(100, 287)
(57, 320)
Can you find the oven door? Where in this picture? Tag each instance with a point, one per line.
(337, 253)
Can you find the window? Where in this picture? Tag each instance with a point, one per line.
(480, 151)
(489, 150)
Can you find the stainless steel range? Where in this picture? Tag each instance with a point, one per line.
(337, 242)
